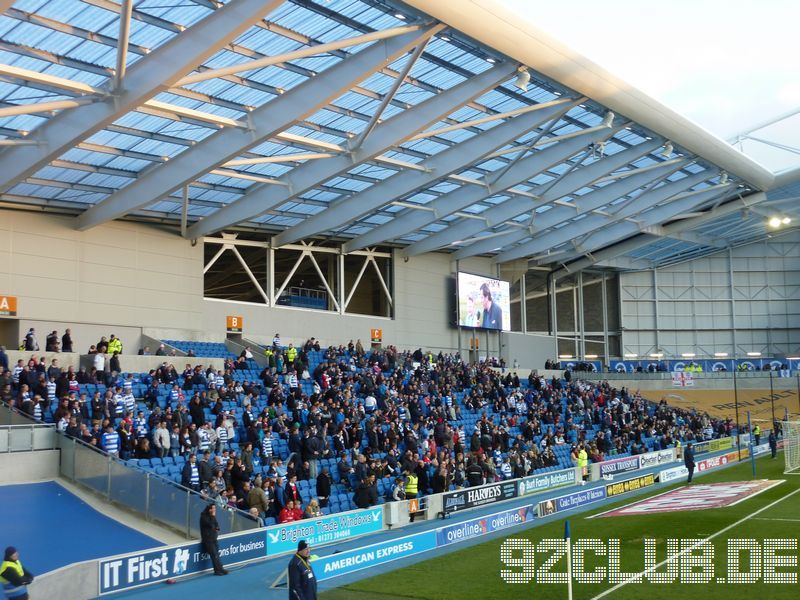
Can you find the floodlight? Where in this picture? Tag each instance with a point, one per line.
(523, 78)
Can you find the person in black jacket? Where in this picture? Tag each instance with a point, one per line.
(366, 493)
(302, 581)
(688, 460)
(324, 487)
(205, 468)
(474, 473)
(66, 341)
(209, 529)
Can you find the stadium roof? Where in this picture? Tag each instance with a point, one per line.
(426, 124)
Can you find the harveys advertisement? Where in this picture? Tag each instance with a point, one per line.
(479, 496)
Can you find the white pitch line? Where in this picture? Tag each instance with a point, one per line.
(638, 576)
(774, 519)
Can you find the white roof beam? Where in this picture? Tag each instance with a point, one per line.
(385, 135)
(265, 122)
(586, 203)
(596, 222)
(622, 229)
(514, 207)
(39, 107)
(456, 157)
(54, 81)
(627, 263)
(685, 236)
(643, 240)
(149, 76)
(314, 50)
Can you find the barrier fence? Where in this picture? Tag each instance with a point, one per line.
(155, 498)
(25, 438)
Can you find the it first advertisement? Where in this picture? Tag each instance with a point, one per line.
(133, 570)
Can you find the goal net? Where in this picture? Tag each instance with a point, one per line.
(791, 447)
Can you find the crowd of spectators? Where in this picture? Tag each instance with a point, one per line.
(381, 424)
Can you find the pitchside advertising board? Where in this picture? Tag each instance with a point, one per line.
(134, 570)
(349, 561)
(570, 501)
(719, 461)
(713, 445)
(673, 474)
(284, 538)
(630, 485)
(460, 532)
(654, 459)
(343, 563)
(706, 464)
(618, 465)
(546, 481)
(479, 496)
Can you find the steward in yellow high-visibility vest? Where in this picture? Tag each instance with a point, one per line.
(412, 483)
(14, 577)
(114, 345)
(583, 461)
(412, 487)
(291, 354)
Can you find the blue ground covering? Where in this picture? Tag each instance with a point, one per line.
(51, 527)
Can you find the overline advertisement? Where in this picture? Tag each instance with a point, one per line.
(483, 302)
(284, 538)
(460, 532)
(151, 566)
(478, 496)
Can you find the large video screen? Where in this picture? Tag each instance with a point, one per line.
(483, 302)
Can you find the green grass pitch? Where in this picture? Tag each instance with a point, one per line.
(475, 572)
